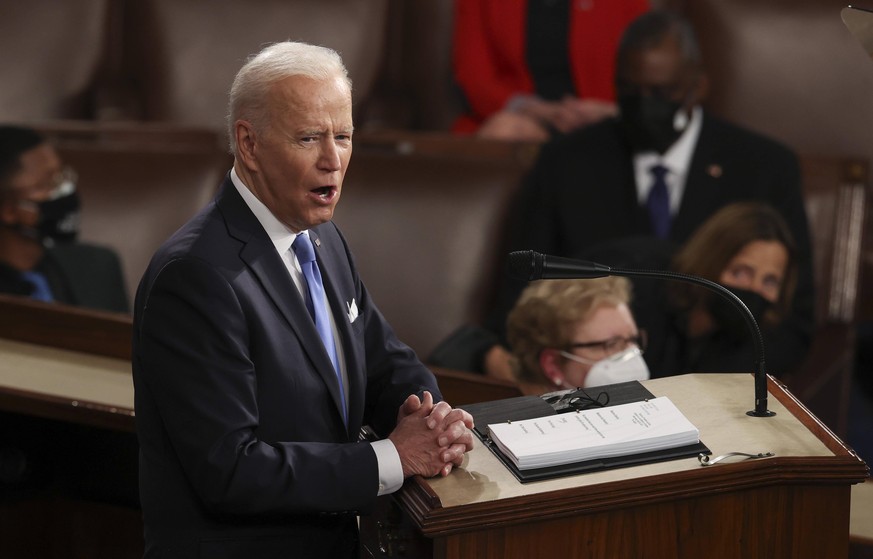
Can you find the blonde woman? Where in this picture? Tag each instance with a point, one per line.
(575, 333)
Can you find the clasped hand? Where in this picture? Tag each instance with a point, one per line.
(431, 438)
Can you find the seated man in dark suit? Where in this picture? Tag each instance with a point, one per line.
(39, 221)
(258, 354)
(659, 170)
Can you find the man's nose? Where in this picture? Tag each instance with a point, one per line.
(330, 157)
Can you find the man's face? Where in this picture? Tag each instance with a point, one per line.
(660, 71)
(656, 91)
(35, 182)
(299, 160)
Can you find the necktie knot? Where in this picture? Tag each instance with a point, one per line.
(302, 246)
(659, 172)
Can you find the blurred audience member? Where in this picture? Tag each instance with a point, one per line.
(530, 68)
(575, 333)
(748, 248)
(658, 171)
(39, 222)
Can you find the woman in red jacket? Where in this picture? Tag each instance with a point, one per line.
(529, 68)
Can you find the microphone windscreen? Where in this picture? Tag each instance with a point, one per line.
(526, 264)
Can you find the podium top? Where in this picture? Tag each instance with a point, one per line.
(716, 404)
(860, 23)
(66, 385)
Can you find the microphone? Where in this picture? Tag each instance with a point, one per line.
(530, 265)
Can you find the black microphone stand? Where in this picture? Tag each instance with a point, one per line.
(537, 263)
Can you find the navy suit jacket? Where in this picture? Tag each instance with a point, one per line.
(243, 445)
(581, 197)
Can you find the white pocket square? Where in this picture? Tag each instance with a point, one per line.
(353, 311)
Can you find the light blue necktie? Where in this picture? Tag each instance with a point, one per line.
(317, 305)
(659, 202)
(41, 290)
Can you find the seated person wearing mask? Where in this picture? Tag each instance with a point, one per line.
(748, 248)
(658, 171)
(39, 222)
(258, 354)
(575, 333)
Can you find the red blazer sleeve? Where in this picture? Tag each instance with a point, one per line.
(488, 53)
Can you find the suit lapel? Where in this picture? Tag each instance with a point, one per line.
(260, 256)
(703, 186)
(624, 215)
(330, 271)
(635, 216)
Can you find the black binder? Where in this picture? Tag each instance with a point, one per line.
(529, 407)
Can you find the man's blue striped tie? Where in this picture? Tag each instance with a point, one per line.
(659, 202)
(317, 306)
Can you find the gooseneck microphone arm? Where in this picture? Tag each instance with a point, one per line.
(530, 265)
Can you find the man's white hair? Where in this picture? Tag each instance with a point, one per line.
(249, 92)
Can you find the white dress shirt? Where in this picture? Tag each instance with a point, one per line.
(677, 161)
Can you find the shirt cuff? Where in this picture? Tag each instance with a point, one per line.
(390, 469)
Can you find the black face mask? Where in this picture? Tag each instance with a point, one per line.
(649, 121)
(730, 319)
(58, 220)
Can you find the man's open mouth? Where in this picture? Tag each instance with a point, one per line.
(324, 192)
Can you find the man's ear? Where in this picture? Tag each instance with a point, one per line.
(701, 88)
(8, 212)
(550, 365)
(246, 143)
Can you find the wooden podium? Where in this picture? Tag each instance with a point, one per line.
(66, 401)
(69, 365)
(795, 504)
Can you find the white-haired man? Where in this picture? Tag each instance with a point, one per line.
(258, 353)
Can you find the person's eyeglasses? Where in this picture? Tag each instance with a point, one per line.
(605, 348)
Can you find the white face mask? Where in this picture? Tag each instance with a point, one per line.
(623, 366)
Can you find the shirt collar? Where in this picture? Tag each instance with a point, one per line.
(280, 234)
(677, 158)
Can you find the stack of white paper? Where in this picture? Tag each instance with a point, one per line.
(621, 430)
